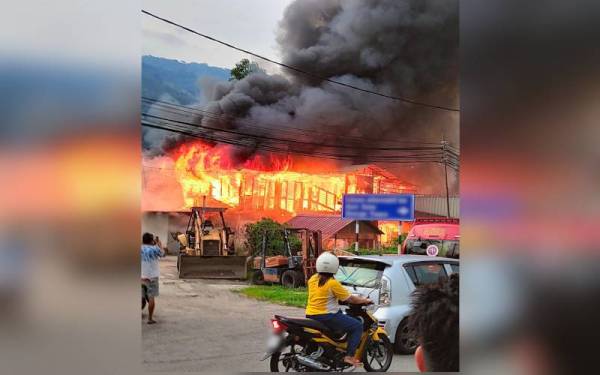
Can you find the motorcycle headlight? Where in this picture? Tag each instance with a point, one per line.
(385, 292)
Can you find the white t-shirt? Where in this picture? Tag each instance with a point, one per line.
(150, 255)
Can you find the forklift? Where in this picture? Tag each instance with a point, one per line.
(293, 268)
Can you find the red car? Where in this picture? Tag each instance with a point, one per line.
(433, 239)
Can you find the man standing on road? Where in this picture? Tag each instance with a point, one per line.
(152, 250)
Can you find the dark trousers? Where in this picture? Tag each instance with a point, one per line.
(342, 323)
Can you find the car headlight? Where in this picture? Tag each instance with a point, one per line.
(385, 292)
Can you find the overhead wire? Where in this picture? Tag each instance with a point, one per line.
(201, 112)
(293, 140)
(302, 71)
(313, 153)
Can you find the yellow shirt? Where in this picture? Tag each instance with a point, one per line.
(324, 299)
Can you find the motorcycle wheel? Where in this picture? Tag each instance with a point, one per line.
(277, 360)
(377, 356)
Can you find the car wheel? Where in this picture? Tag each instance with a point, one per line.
(405, 342)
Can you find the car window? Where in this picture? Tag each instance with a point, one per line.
(361, 273)
(450, 249)
(447, 248)
(428, 273)
(455, 267)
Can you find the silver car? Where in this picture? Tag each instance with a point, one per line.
(389, 282)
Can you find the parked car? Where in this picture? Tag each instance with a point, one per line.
(389, 282)
(433, 239)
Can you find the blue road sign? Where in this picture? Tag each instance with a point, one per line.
(399, 207)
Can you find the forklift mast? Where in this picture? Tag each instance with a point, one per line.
(311, 249)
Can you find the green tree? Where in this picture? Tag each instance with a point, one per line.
(275, 242)
(243, 68)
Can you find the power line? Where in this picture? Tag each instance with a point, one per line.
(164, 106)
(391, 159)
(410, 101)
(314, 153)
(432, 153)
(293, 140)
(437, 155)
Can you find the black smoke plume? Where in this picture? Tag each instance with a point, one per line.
(397, 47)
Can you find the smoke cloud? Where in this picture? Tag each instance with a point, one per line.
(401, 48)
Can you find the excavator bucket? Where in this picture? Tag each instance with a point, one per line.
(212, 267)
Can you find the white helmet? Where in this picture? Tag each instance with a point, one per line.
(327, 263)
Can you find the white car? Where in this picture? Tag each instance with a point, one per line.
(389, 281)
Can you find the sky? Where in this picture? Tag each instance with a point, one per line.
(250, 25)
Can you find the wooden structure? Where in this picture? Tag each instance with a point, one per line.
(300, 192)
(338, 233)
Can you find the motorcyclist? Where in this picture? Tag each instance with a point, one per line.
(324, 292)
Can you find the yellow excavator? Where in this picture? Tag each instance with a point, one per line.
(207, 248)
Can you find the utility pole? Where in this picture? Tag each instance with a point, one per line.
(445, 161)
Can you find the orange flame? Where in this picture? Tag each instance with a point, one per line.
(262, 182)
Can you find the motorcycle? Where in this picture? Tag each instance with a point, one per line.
(307, 345)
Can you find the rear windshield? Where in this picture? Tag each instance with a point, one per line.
(360, 273)
(446, 248)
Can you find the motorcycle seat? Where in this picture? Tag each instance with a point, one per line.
(314, 324)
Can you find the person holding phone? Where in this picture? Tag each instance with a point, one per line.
(151, 251)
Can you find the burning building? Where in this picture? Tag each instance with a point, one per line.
(404, 49)
(271, 183)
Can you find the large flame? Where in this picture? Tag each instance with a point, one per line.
(263, 182)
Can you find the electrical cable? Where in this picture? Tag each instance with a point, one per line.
(209, 114)
(405, 100)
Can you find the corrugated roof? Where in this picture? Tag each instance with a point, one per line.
(426, 215)
(327, 224)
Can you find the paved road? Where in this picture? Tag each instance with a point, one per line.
(204, 326)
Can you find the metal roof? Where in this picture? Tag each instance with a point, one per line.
(437, 205)
(327, 224)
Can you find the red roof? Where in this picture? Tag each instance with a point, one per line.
(327, 224)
